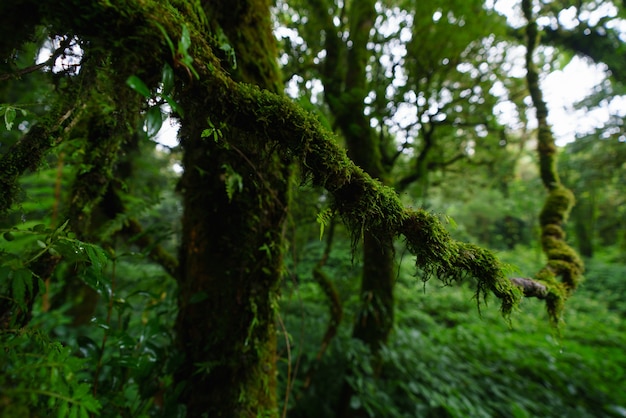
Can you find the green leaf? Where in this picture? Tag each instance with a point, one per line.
(97, 256)
(83, 412)
(323, 218)
(234, 181)
(174, 105)
(154, 121)
(9, 117)
(185, 41)
(167, 38)
(167, 79)
(20, 283)
(63, 410)
(8, 236)
(139, 86)
(94, 278)
(62, 227)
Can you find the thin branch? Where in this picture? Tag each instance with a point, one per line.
(48, 63)
(530, 287)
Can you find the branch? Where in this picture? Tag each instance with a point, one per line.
(530, 287)
(48, 63)
(155, 251)
(363, 203)
(563, 261)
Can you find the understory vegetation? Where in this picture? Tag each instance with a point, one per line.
(446, 359)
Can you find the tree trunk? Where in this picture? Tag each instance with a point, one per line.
(234, 195)
(375, 317)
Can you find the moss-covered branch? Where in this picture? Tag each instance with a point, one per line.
(363, 203)
(26, 154)
(563, 261)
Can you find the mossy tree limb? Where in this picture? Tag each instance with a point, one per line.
(563, 261)
(28, 152)
(231, 251)
(363, 203)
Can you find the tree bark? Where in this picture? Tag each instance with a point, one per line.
(345, 95)
(235, 199)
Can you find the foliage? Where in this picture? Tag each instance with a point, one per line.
(124, 358)
(41, 377)
(444, 360)
(99, 318)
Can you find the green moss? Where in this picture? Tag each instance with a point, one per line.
(556, 209)
(438, 255)
(563, 262)
(24, 155)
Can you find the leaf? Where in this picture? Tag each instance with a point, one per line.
(167, 38)
(139, 86)
(62, 227)
(451, 221)
(323, 218)
(8, 236)
(63, 410)
(174, 105)
(97, 256)
(88, 347)
(185, 41)
(9, 117)
(20, 283)
(154, 121)
(167, 79)
(234, 181)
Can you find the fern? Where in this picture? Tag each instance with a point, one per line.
(233, 180)
(40, 377)
(324, 218)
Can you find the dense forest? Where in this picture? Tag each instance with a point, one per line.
(324, 208)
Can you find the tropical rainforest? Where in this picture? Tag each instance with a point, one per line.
(323, 208)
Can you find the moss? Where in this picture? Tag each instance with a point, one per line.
(270, 131)
(24, 155)
(563, 261)
(437, 254)
(557, 207)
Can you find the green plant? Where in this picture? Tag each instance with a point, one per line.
(41, 377)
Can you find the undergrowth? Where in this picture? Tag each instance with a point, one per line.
(446, 359)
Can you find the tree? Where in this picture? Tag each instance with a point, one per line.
(373, 59)
(214, 64)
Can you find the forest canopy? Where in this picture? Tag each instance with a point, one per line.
(331, 158)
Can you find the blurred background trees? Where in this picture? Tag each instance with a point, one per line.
(429, 99)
